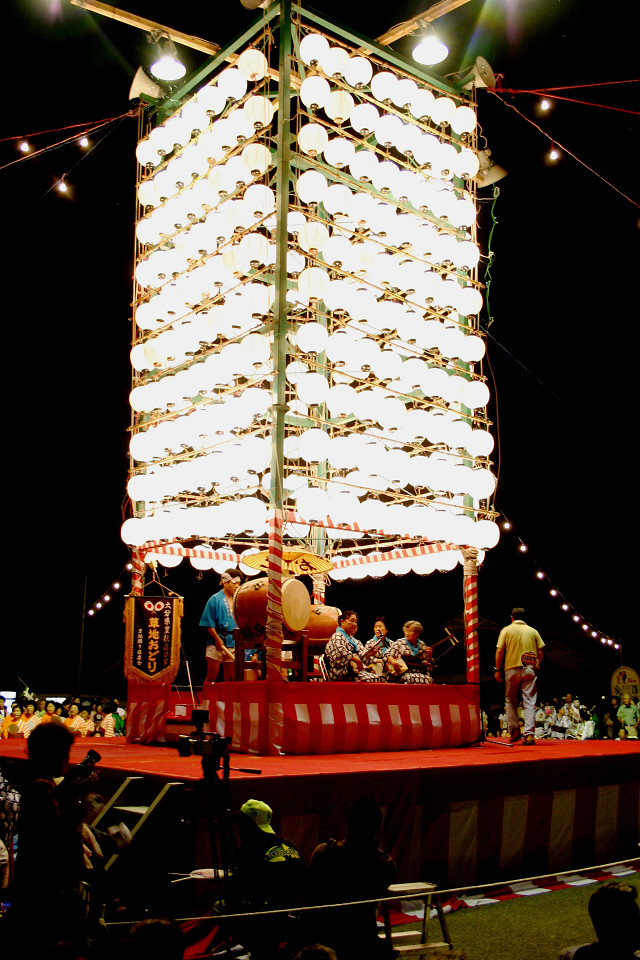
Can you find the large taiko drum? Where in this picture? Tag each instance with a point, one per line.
(323, 622)
(250, 606)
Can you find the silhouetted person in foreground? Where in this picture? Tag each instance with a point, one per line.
(615, 915)
(154, 939)
(343, 871)
(51, 834)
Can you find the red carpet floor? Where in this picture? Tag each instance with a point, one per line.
(164, 761)
(456, 817)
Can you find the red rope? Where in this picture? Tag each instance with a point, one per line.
(71, 126)
(555, 141)
(585, 103)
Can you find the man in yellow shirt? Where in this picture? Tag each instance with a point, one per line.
(520, 647)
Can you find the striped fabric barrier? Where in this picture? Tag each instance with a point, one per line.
(147, 706)
(163, 548)
(344, 717)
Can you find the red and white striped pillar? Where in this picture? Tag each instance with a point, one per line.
(470, 591)
(319, 587)
(274, 598)
(138, 569)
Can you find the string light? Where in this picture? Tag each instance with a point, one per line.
(24, 147)
(564, 606)
(553, 154)
(105, 598)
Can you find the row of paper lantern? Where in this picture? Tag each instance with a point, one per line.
(172, 437)
(237, 465)
(211, 100)
(315, 93)
(443, 159)
(256, 158)
(353, 208)
(350, 348)
(251, 360)
(401, 273)
(386, 86)
(222, 422)
(369, 257)
(247, 516)
(408, 277)
(414, 334)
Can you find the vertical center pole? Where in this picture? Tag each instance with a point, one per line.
(274, 573)
(470, 589)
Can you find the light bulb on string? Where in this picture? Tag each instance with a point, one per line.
(553, 154)
(553, 592)
(540, 575)
(523, 548)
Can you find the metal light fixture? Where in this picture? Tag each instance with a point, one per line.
(430, 49)
(167, 66)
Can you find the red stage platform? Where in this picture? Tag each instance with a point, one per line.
(309, 718)
(457, 817)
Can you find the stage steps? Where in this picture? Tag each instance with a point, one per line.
(139, 806)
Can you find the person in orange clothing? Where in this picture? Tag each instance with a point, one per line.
(31, 718)
(74, 721)
(50, 714)
(13, 725)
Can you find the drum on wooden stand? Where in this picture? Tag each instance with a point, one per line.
(322, 623)
(250, 606)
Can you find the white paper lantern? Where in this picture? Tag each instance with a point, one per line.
(358, 72)
(364, 117)
(313, 47)
(252, 64)
(312, 139)
(314, 92)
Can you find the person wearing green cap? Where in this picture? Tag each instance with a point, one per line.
(267, 875)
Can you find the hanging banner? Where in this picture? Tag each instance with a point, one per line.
(152, 638)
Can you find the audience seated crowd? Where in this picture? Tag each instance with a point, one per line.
(86, 717)
(567, 718)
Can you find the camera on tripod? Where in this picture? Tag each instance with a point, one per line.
(201, 744)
